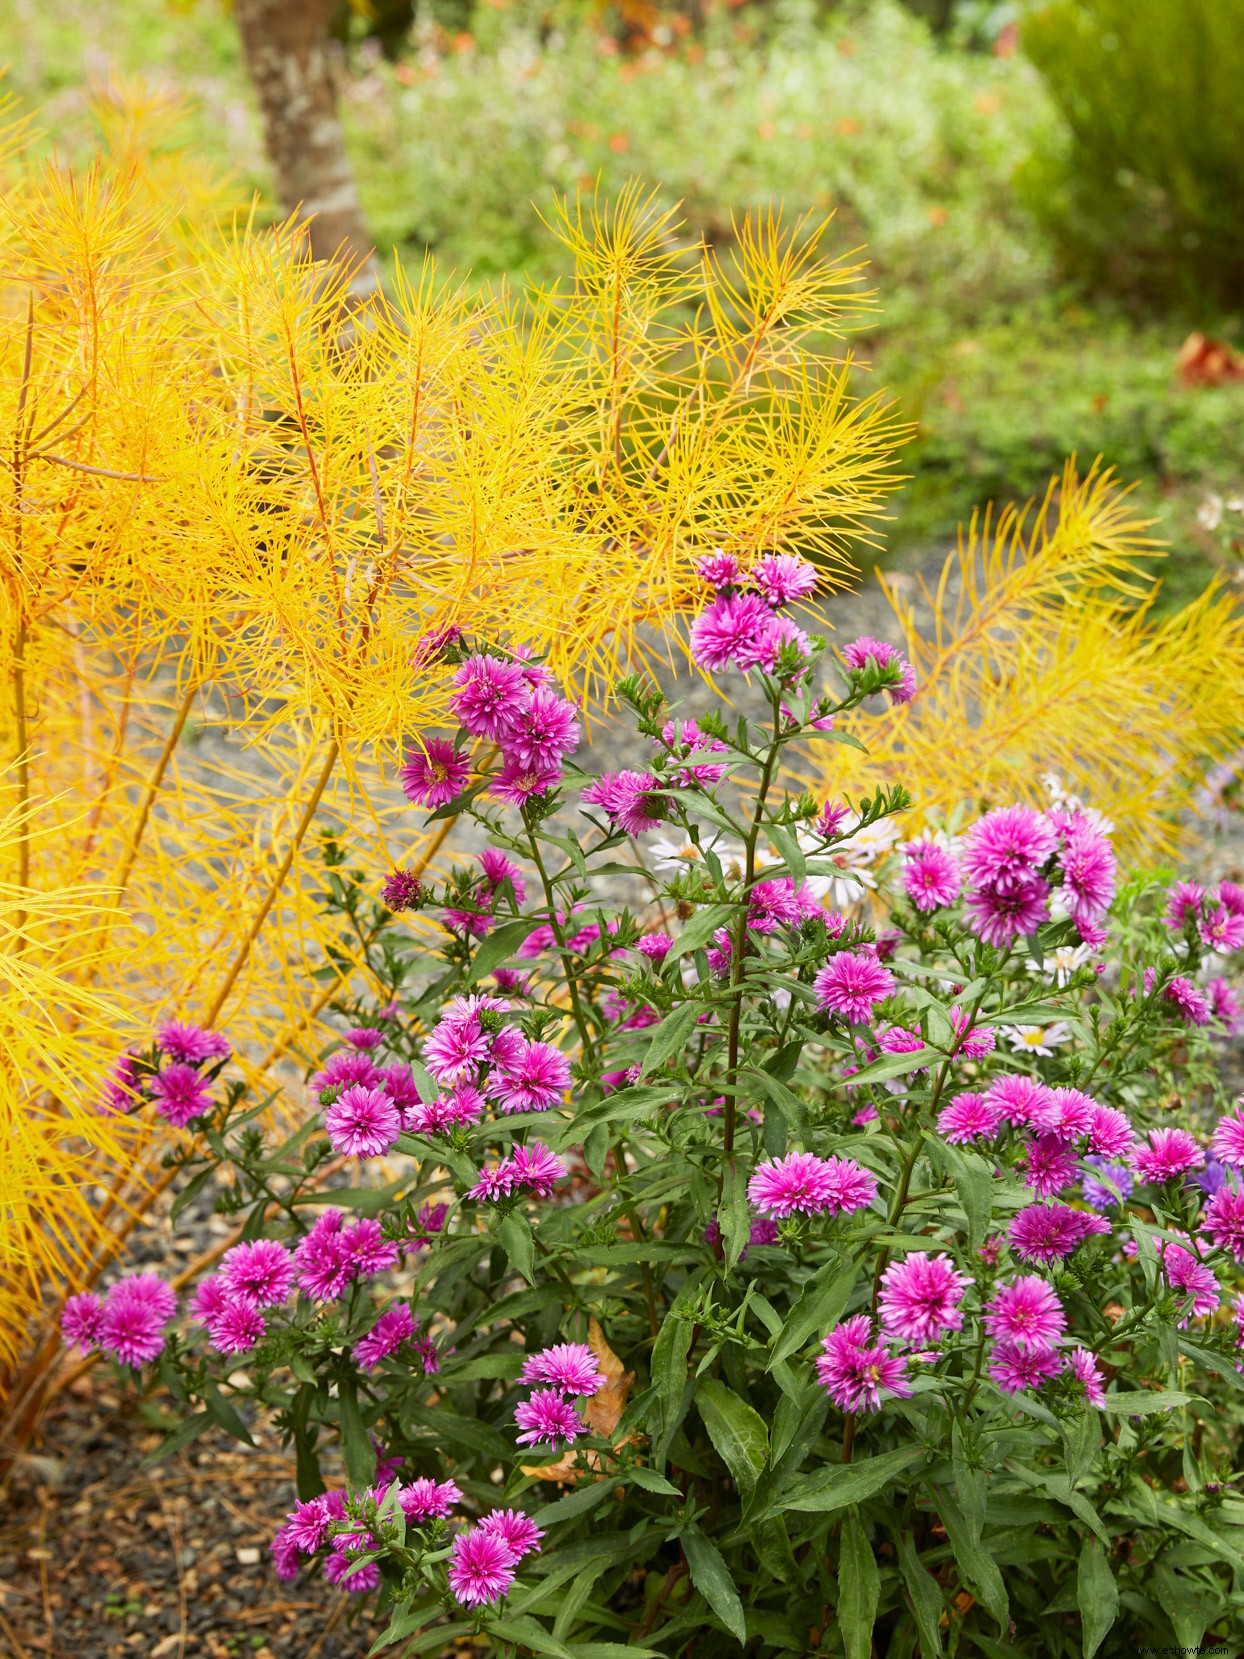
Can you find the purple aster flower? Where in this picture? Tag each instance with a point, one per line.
(896, 672)
(920, 1296)
(931, 878)
(180, 1094)
(490, 696)
(855, 1372)
(515, 1528)
(191, 1044)
(394, 1326)
(434, 775)
(1015, 1369)
(570, 1367)
(781, 578)
(851, 984)
(81, 1319)
(362, 1122)
(1027, 1314)
(1110, 1186)
(546, 1418)
(481, 1567)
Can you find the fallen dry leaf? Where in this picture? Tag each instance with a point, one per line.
(604, 1409)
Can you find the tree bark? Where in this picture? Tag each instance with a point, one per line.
(285, 43)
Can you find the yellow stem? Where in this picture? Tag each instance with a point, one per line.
(152, 790)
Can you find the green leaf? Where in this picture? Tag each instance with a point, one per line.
(1097, 1594)
(788, 846)
(1140, 1402)
(1187, 1611)
(500, 945)
(670, 1037)
(979, 1570)
(224, 1414)
(970, 1486)
(192, 1189)
(859, 1589)
(737, 1430)
(777, 1094)
(821, 1303)
(579, 1501)
(701, 928)
(925, 1595)
(712, 1579)
(405, 1622)
(895, 1065)
(438, 1636)
(612, 1650)
(736, 1215)
(843, 1484)
(1210, 1361)
(973, 1179)
(1082, 1440)
(526, 1633)
(514, 1231)
(650, 1481)
(360, 1454)
(181, 1437)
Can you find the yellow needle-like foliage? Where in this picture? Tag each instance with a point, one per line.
(231, 505)
(1037, 652)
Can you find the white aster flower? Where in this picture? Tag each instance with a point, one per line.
(1061, 962)
(1037, 1039)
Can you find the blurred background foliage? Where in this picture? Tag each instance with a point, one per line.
(1049, 192)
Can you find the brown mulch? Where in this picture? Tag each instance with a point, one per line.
(102, 1557)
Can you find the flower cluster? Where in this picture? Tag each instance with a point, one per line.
(565, 1372)
(175, 1075)
(805, 1184)
(129, 1323)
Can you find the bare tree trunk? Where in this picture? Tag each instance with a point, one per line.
(286, 47)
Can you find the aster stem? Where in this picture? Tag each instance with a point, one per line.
(559, 934)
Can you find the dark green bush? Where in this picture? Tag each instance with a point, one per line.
(1147, 196)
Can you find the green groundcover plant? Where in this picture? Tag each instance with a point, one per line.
(825, 1246)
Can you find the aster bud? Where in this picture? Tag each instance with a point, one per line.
(403, 891)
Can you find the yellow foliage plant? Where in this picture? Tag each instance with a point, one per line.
(1038, 653)
(232, 505)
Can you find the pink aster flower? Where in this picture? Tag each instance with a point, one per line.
(546, 1418)
(515, 1528)
(260, 1273)
(968, 1117)
(398, 1083)
(1046, 1233)
(1228, 1141)
(481, 1567)
(81, 1319)
(1071, 1114)
(426, 1500)
(1169, 1153)
(366, 1249)
(343, 1068)
(931, 878)
(1015, 1369)
(1087, 862)
(778, 903)
(1083, 1365)
(655, 946)
(516, 783)
(1190, 1002)
(685, 741)
(1026, 1313)
(799, 1181)
(920, 1296)
(433, 775)
(1048, 1166)
(731, 631)
(307, 1524)
(133, 1320)
(180, 1094)
(781, 578)
(495, 1181)
(209, 1298)
(362, 1122)
(1220, 929)
(490, 694)
(360, 1580)
(1183, 899)
(1223, 1221)
(569, 1366)
(1008, 846)
(454, 1050)
(122, 1088)
(1002, 915)
(364, 1038)
(850, 1187)
(634, 801)
(971, 1042)
(544, 732)
(146, 1290)
(851, 984)
(236, 1327)
(532, 1081)
(191, 1044)
(1110, 1133)
(320, 1262)
(1225, 1006)
(535, 1167)
(855, 1371)
(285, 1562)
(498, 868)
(780, 632)
(1184, 1272)
(1023, 1101)
(896, 671)
(834, 814)
(402, 890)
(394, 1326)
(718, 569)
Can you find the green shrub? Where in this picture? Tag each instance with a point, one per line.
(1147, 194)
